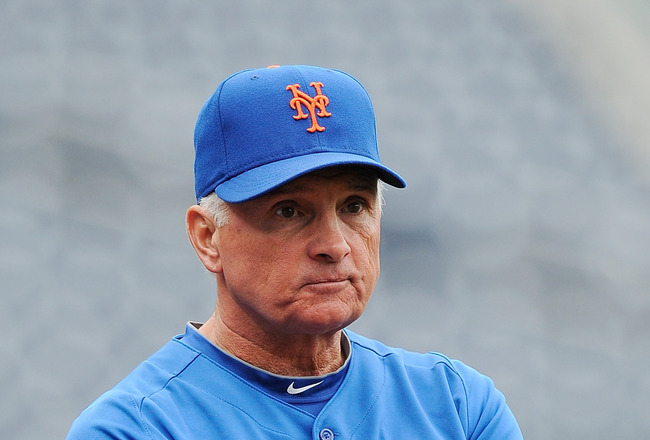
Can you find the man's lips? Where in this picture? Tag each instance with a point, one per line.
(329, 280)
(328, 283)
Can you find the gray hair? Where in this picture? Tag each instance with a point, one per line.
(219, 208)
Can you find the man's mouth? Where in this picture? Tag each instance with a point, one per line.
(328, 284)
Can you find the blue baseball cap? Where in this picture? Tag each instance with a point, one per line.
(264, 127)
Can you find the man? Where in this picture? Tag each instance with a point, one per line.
(288, 221)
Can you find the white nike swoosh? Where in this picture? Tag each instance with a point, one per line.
(292, 390)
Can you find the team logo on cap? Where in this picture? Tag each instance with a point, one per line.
(302, 100)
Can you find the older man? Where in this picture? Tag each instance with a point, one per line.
(287, 178)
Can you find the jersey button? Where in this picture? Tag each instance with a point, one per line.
(326, 434)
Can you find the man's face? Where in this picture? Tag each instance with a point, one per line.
(304, 258)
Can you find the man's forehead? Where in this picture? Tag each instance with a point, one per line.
(358, 178)
(352, 170)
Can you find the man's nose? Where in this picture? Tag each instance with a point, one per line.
(328, 242)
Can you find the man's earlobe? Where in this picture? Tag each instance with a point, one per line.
(202, 232)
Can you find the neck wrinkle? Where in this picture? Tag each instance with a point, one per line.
(300, 356)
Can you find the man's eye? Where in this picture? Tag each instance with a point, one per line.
(355, 207)
(287, 212)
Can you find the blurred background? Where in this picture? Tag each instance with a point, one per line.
(521, 245)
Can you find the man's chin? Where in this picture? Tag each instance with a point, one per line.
(325, 322)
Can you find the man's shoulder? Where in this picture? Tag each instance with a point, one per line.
(407, 357)
(120, 408)
(154, 374)
(472, 397)
(427, 367)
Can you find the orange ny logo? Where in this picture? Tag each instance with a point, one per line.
(301, 99)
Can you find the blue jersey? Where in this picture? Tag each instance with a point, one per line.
(190, 390)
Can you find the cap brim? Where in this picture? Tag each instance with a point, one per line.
(255, 182)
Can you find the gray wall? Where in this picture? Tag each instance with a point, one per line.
(521, 245)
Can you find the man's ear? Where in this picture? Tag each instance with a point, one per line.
(203, 234)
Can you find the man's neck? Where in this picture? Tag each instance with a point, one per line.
(303, 355)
